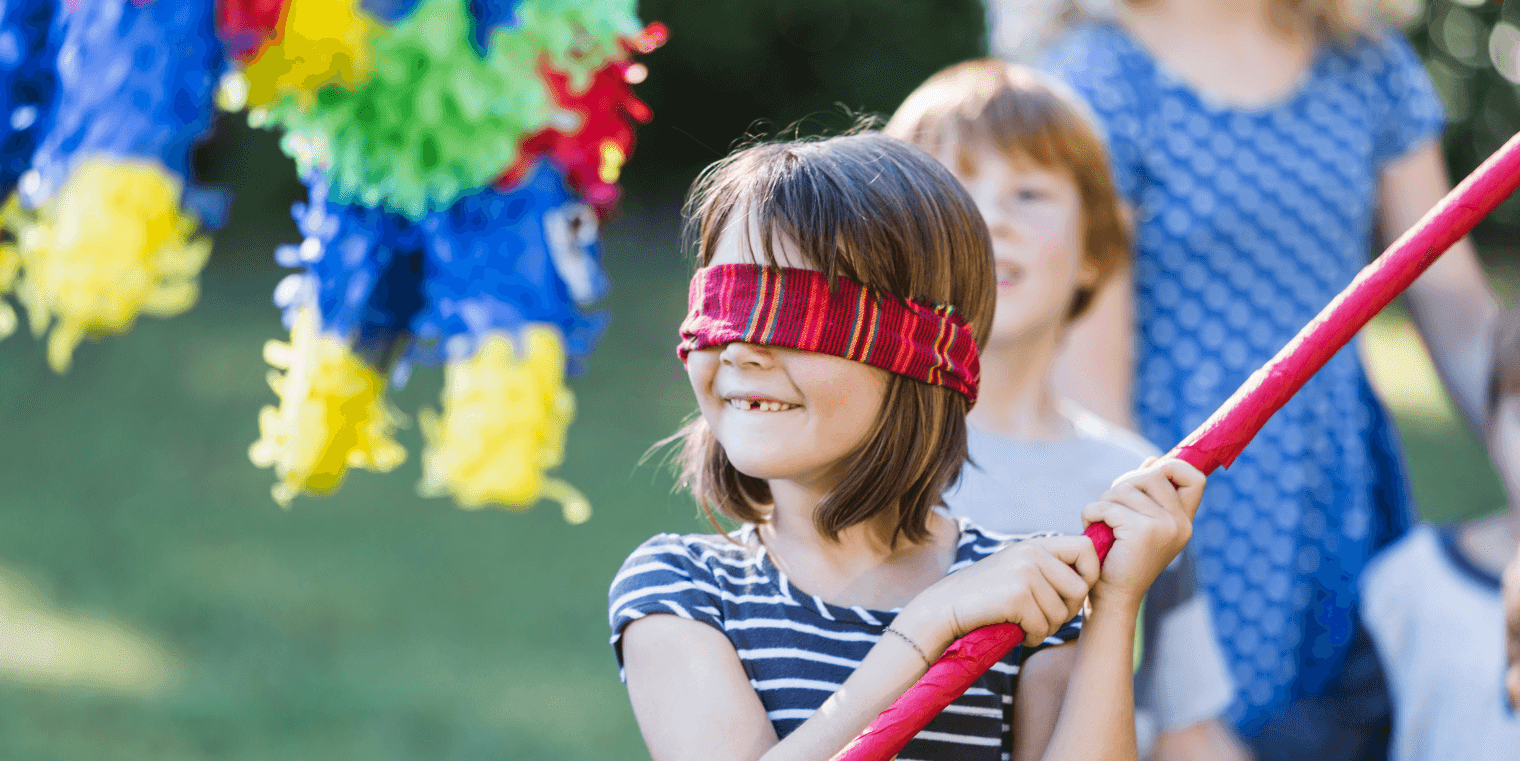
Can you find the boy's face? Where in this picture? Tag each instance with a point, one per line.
(1035, 216)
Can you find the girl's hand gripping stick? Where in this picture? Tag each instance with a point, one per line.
(1219, 440)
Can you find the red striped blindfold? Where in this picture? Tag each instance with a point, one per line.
(796, 309)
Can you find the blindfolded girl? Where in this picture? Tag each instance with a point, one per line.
(831, 344)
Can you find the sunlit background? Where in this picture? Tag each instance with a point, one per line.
(156, 604)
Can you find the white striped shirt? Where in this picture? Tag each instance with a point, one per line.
(796, 648)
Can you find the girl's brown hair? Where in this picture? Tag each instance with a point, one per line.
(876, 210)
(1021, 115)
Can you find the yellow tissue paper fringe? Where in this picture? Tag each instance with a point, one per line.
(322, 42)
(332, 415)
(503, 425)
(112, 243)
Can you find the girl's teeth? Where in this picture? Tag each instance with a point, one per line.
(755, 406)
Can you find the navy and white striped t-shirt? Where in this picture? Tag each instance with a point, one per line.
(797, 649)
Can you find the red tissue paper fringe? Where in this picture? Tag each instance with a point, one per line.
(592, 156)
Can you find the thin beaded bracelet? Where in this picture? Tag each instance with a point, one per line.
(913, 645)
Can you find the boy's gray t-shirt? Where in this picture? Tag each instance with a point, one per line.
(1019, 487)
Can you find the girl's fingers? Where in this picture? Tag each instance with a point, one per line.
(1077, 552)
(1182, 473)
(1161, 490)
(1049, 615)
(1189, 482)
(1071, 587)
(1133, 497)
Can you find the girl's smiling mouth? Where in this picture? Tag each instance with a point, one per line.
(759, 404)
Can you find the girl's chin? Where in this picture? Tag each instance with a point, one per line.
(767, 466)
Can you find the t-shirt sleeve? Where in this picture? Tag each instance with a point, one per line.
(1183, 678)
(663, 576)
(1412, 112)
(1093, 63)
(1192, 682)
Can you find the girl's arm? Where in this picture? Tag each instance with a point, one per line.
(1151, 513)
(1097, 717)
(1043, 678)
(1095, 366)
(1451, 303)
(690, 693)
(693, 699)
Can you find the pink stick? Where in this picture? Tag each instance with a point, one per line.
(1219, 440)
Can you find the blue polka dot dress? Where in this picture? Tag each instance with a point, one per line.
(1249, 221)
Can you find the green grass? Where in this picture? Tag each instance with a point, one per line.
(373, 624)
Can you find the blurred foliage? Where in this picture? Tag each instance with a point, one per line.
(1472, 50)
(736, 65)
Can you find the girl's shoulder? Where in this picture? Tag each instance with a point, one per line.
(690, 576)
(697, 556)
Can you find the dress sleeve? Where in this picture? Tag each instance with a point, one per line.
(1412, 112)
(663, 576)
(1103, 73)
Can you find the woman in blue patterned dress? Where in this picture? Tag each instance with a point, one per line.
(1262, 145)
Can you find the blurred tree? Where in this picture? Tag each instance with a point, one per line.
(1472, 50)
(733, 67)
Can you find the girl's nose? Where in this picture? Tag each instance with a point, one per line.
(754, 356)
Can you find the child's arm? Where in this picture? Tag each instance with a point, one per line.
(1151, 512)
(689, 692)
(1451, 303)
(693, 699)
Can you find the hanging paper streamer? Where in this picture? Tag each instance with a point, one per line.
(100, 236)
(435, 121)
(498, 261)
(111, 244)
(363, 269)
(318, 43)
(245, 25)
(592, 156)
(26, 67)
(125, 91)
(505, 414)
(455, 188)
(579, 36)
(332, 415)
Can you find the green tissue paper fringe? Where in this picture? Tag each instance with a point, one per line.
(579, 36)
(433, 122)
(436, 121)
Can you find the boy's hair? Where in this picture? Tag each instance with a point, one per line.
(879, 211)
(1020, 114)
(1504, 380)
